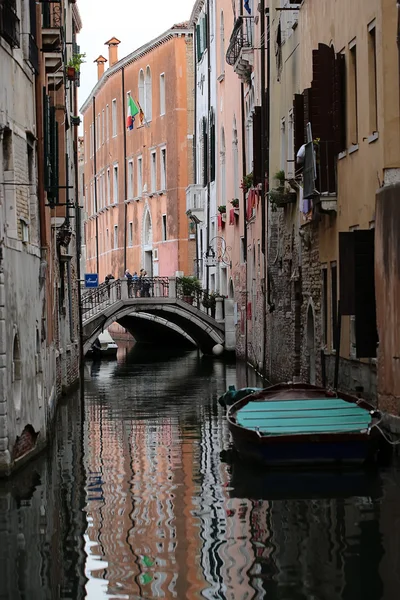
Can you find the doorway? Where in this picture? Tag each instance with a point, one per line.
(311, 346)
(148, 262)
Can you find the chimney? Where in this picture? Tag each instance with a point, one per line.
(100, 60)
(112, 50)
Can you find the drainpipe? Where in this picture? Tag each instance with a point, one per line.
(243, 211)
(398, 35)
(95, 183)
(208, 139)
(264, 171)
(125, 170)
(195, 140)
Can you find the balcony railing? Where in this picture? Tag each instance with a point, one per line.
(9, 25)
(240, 53)
(51, 15)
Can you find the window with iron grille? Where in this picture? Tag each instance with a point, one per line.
(10, 23)
(50, 133)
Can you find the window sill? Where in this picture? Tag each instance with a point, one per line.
(221, 77)
(161, 192)
(353, 148)
(373, 137)
(342, 154)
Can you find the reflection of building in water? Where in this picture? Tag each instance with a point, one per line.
(42, 520)
(140, 485)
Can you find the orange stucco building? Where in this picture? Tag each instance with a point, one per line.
(135, 180)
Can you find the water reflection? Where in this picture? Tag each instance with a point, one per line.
(139, 497)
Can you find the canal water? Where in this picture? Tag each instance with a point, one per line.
(139, 496)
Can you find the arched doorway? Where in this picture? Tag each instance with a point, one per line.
(16, 375)
(147, 244)
(311, 345)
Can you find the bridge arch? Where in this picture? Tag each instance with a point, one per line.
(201, 328)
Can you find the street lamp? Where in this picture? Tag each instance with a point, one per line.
(212, 257)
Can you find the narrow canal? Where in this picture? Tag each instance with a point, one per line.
(138, 497)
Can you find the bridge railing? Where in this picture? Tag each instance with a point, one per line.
(148, 287)
(96, 300)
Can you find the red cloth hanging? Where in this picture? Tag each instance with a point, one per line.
(232, 216)
(250, 203)
(219, 221)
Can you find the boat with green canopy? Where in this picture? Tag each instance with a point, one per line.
(300, 423)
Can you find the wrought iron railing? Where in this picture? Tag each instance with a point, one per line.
(9, 24)
(148, 287)
(240, 38)
(96, 300)
(51, 14)
(193, 294)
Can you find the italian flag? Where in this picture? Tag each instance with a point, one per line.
(132, 111)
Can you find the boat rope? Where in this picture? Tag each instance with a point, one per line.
(385, 435)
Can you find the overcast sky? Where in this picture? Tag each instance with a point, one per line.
(134, 22)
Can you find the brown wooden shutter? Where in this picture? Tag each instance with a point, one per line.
(298, 122)
(339, 106)
(322, 116)
(257, 166)
(347, 272)
(365, 304)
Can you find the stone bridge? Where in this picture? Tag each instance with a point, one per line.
(159, 314)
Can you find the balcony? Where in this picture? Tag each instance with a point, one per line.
(9, 24)
(52, 26)
(195, 200)
(240, 53)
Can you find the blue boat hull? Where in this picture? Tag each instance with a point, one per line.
(345, 451)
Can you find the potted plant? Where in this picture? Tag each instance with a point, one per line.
(281, 195)
(74, 65)
(247, 182)
(222, 209)
(235, 202)
(75, 120)
(189, 285)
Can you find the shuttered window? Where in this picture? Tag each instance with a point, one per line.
(212, 145)
(205, 151)
(257, 142)
(298, 122)
(339, 104)
(50, 134)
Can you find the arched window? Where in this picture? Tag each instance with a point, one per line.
(235, 158)
(222, 161)
(141, 89)
(16, 375)
(147, 230)
(148, 110)
(222, 44)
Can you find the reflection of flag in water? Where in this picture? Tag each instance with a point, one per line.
(247, 7)
(132, 111)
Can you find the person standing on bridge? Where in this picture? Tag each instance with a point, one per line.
(145, 285)
(136, 286)
(128, 276)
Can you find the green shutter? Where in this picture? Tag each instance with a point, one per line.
(198, 42)
(205, 152)
(46, 138)
(212, 145)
